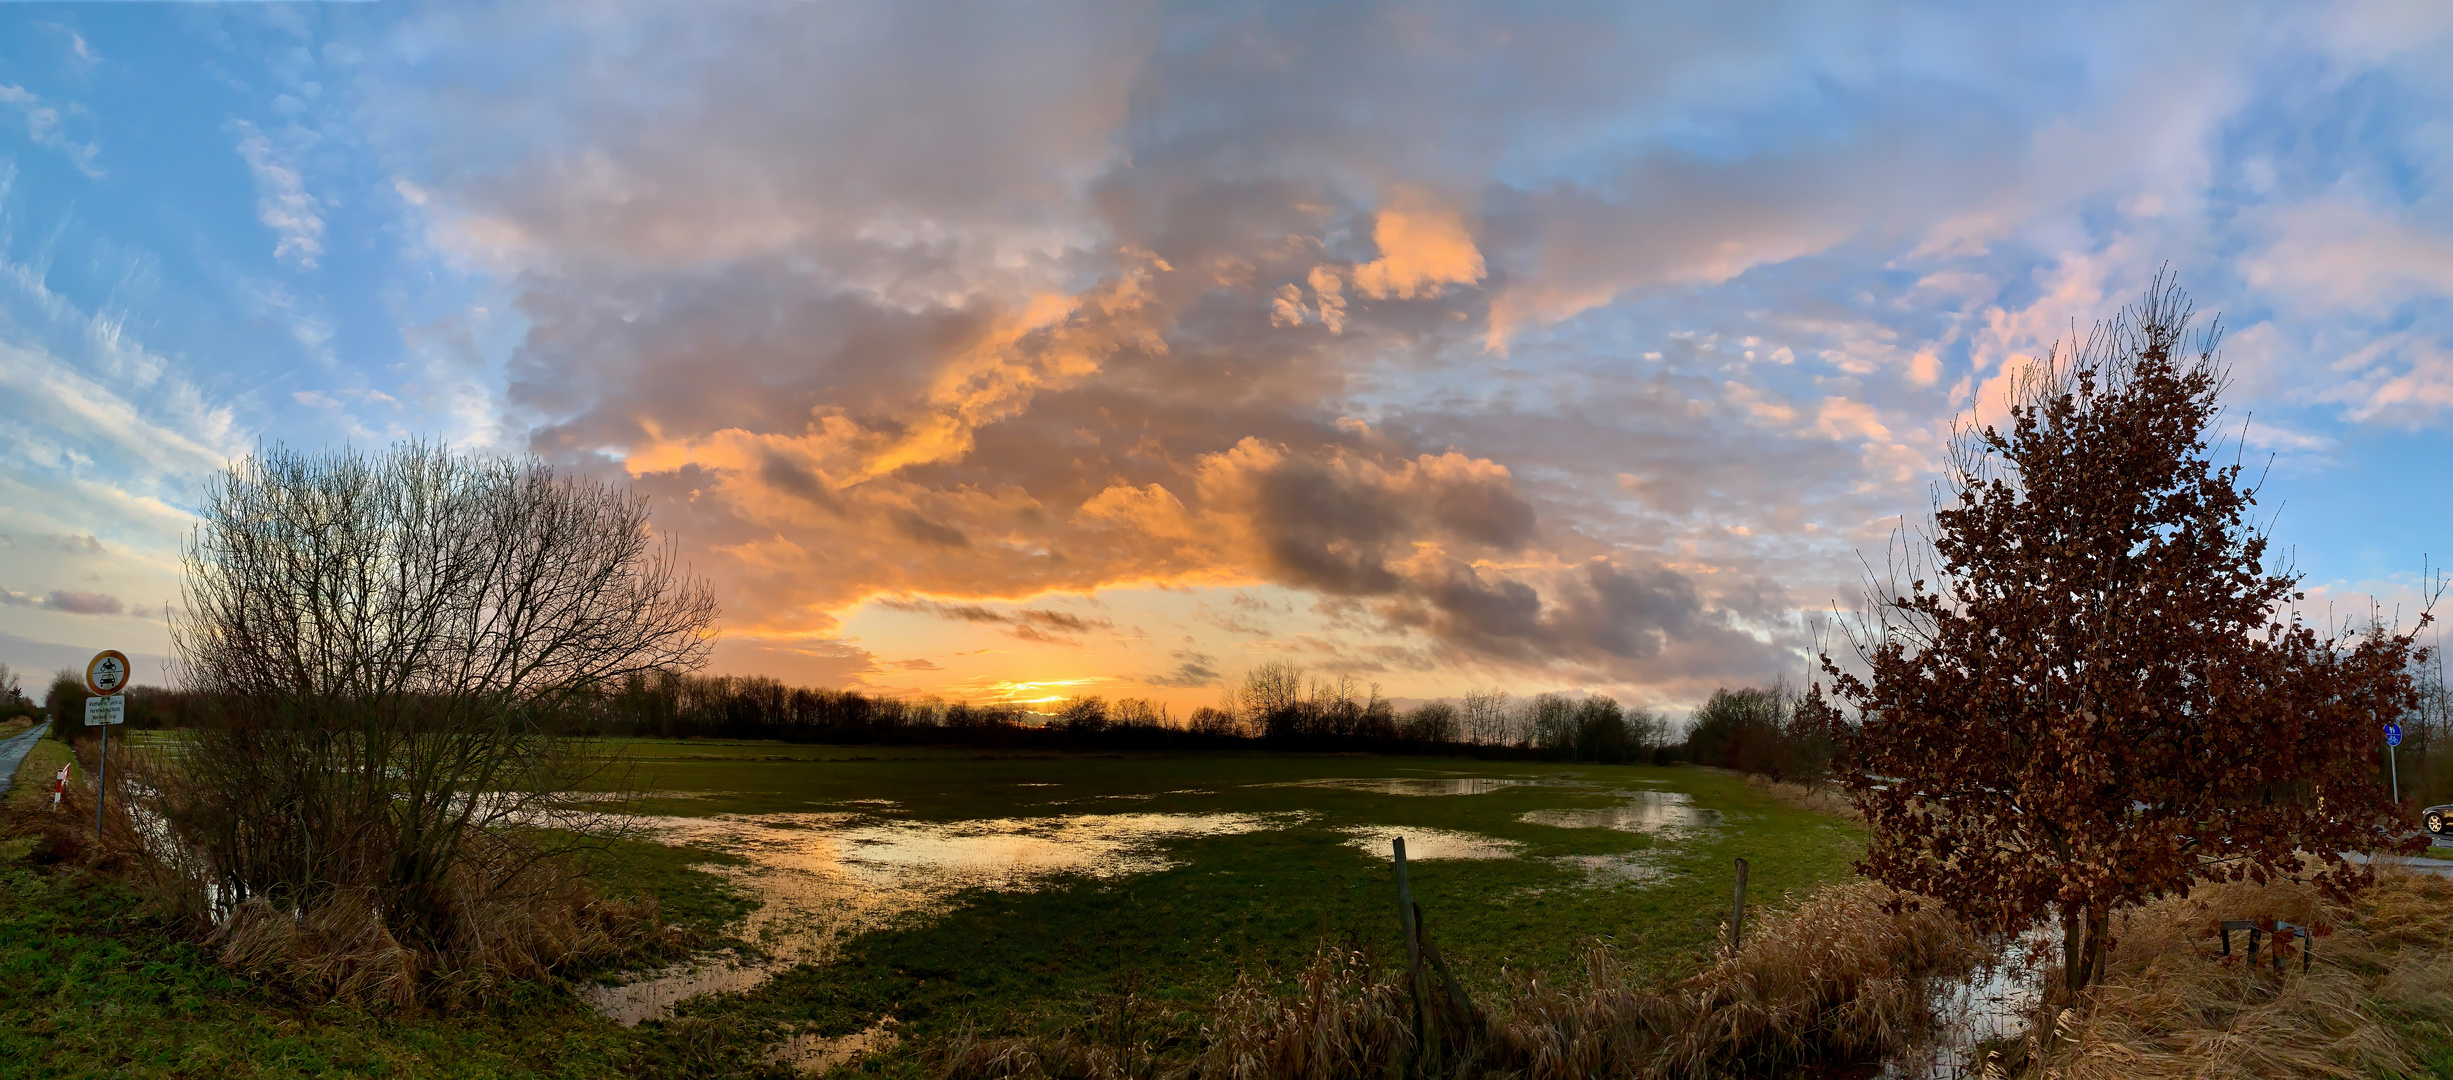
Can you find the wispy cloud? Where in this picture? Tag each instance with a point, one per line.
(45, 129)
(282, 201)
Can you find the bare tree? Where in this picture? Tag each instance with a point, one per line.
(1271, 699)
(1486, 716)
(1431, 722)
(384, 640)
(1549, 723)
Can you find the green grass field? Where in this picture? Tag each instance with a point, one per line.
(89, 987)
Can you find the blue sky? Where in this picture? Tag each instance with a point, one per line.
(1115, 348)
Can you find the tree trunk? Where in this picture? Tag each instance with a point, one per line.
(2073, 945)
(2084, 931)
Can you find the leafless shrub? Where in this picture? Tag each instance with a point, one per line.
(383, 645)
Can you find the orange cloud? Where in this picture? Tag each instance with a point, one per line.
(1422, 247)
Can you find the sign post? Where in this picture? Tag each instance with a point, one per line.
(106, 676)
(2393, 739)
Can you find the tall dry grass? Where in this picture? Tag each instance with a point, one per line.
(1839, 978)
(344, 949)
(1820, 797)
(2379, 989)
(508, 908)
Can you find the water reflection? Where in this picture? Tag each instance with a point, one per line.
(1666, 813)
(813, 1054)
(1423, 844)
(1631, 868)
(827, 876)
(1991, 1004)
(1463, 785)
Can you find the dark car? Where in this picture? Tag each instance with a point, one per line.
(2439, 819)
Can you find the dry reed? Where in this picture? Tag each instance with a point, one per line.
(515, 912)
(344, 949)
(2378, 990)
(1820, 798)
(1840, 978)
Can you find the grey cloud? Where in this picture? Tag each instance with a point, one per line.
(1193, 669)
(914, 527)
(68, 600)
(793, 219)
(1030, 623)
(1058, 620)
(71, 543)
(956, 612)
(1035, 634)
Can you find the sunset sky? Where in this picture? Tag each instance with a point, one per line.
(1010, 351)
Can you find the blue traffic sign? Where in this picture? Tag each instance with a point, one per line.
(2393, 734)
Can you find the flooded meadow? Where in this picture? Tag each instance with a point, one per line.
(899, 895)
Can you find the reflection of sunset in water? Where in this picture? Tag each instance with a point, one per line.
(827, 876)
(1424, 844)
(823, 877)
(1462, 785)
(1662, 813)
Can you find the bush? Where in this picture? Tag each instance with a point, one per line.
(1758, 730)
(380, 648)
(65, 702)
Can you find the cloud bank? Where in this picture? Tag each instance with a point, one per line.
(1580, 344)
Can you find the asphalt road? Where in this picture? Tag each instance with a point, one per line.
(2441, 867)
(13, 750)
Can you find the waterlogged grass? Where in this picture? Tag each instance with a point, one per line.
(89, 987)
(1036, 959)
(92, 987)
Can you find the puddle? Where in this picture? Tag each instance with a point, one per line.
(1662, 813)
(1632, 868)
(1990, 1004)
(1008, 853)
(632, 796)
(1423, 844)
(1463, 785)
(812, 1054)
(827, 876)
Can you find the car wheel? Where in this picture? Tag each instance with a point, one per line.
(2435, 823)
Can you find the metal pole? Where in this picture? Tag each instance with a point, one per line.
(2393, 758)
(102, 787)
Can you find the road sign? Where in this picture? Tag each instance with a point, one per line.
(106, 710)
(2393, 734)
(108, 673)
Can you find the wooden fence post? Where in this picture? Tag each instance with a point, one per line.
(1426, 1032)
(1405, 912)
(1737, 912)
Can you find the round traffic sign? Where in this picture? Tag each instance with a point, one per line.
(108, 673)
(2393, 734)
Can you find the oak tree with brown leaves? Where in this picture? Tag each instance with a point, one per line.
(2104, 695)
